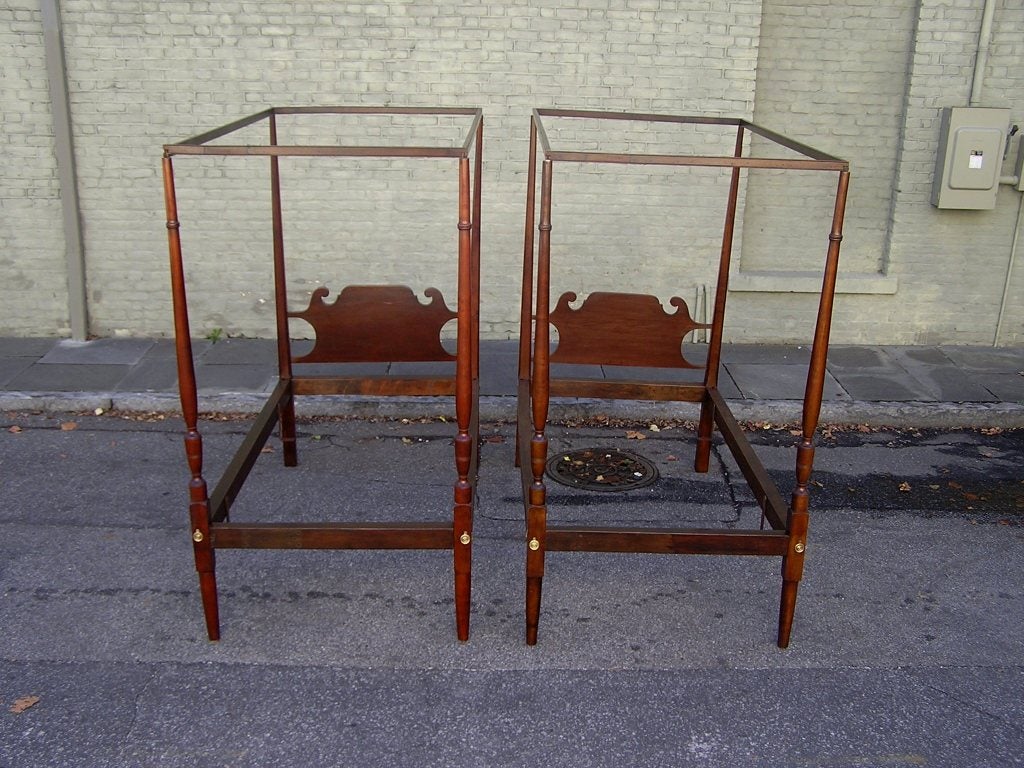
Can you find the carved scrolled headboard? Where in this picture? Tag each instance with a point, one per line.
(622, 329)
(376, 323)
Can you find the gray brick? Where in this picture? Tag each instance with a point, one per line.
(864, 80)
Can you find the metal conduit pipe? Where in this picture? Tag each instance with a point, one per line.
(67, 175)
(981, 56)
(1009, 268)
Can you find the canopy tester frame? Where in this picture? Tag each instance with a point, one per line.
(604, 331)
(366, 323)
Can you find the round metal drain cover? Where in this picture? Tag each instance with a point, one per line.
(601, 469)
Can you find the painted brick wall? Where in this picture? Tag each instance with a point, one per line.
(144, 73)
(832, 74)
(863, 79)
(952, 264)
(33, 289)
(868, 81)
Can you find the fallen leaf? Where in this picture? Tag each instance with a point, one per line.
(905, 486)
(796, 432)
(407, 440)
(863, 428)
(68, 426)
(654, 428)
(267, 449)
(992, 431)
(954, 485)
(633, 434)
(670, 457)
(494, 439)
(971, 496)
(25, 702)
(14, 430)
(98, 412)
(989, 453)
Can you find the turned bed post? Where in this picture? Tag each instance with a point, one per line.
(796, 523)
(464, 444)
(526, 299)
(199, 502)
(702, 459)
(286, 410)
(536, 519)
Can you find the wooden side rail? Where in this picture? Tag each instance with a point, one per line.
(374, 385)
(760, 482)
(333, 536)
(626, 390)
(241, 464)
(669, 541)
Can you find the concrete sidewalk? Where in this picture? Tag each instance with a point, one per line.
(916, 386)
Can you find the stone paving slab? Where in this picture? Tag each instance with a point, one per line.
(770, 381)
(163, 348)
(1006, 387)
(25, 347)
(152, 374)
(757, 354)
(884, 387)
(944, 382)
(67, 377)
(98, 352)
(234, 378)
(242, 352)
(986, 358)
(12, 366)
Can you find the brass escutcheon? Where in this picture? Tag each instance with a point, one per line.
(197, 536)
(799, 547)
(534, 544)
(465, 538)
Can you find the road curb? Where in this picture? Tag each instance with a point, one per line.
(502, 408)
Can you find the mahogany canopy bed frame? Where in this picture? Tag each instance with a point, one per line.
(604, 331)
(366, 323)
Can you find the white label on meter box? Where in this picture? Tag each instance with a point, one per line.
(976, 159)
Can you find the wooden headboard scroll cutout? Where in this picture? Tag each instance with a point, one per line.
(622, 329)
(376, 323)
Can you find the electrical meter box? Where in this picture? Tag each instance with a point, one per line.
(970, 157)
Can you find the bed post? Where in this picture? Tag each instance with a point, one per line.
(536, 519)
(796, 523)
(702, 460)
(526, 299)
(286, 409)
(464, 444)
(199, 503)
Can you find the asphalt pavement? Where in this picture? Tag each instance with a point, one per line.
(906, 650)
